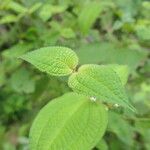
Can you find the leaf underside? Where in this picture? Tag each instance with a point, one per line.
(71, 122)
(101, 82)
(57, 61)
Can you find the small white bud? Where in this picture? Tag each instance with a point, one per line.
(116, 105)
(93, 99)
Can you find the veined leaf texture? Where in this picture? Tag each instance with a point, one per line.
(57, 61)
(70, 122)
(102, 82)
(122, 71)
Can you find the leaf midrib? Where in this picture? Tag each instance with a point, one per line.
(67, 120)
(68, 69)
(59, 131)
(109, 89)
(83, 130)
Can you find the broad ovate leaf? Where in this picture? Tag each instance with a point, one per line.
(70, 122)
(122, 71)
(57, 61)
(101, 82)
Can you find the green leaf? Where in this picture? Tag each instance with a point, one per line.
(17, 7)
(102, 145)
(15, 104)
(17, 50)
(88, 15)
(8, 19)
(143, 32)
(122, 71)
(48, 10)
(67, 33)
(21, 81)
(70, 122)
(57, 61)
(143, 127)
(101, 82)
(110, 53)
(45, 12)
(35, 7)
(119, 126)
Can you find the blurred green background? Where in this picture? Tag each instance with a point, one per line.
(100, 31)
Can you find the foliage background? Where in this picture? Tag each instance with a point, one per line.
(100, 31)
